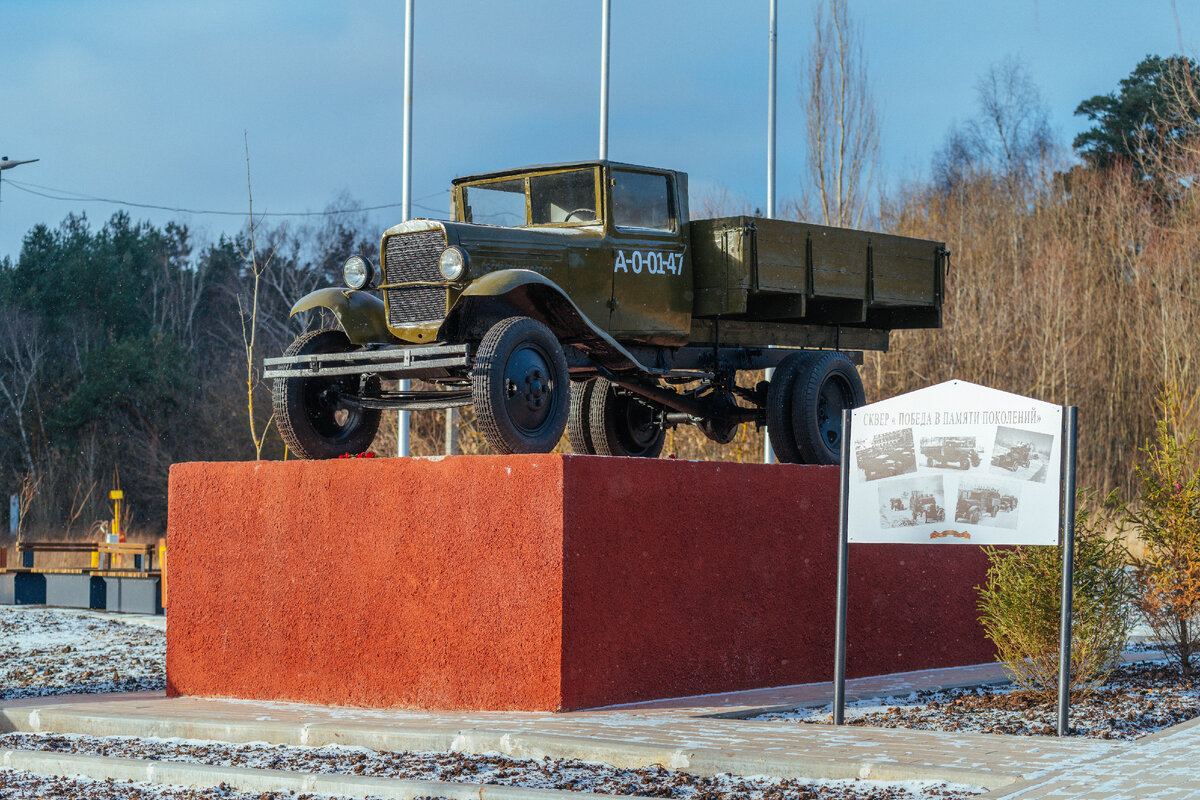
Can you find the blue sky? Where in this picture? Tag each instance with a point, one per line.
(147, 100)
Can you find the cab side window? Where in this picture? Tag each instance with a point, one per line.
(641, 200)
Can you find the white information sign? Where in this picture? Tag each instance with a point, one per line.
(955, 463)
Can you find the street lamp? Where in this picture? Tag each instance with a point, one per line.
(6, 163)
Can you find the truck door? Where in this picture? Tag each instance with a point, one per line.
(651, 268)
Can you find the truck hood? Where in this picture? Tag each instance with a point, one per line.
(465, 233)
(546, 250)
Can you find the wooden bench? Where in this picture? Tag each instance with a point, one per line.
(27, 550)
(104, 582)
(143, 554)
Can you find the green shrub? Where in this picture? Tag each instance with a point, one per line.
(1167, 520)
(1021, 606)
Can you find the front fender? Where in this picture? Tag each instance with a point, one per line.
(523, 292)
(362, 315)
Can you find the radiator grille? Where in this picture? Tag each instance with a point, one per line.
(414, 257)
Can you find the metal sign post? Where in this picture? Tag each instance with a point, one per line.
(1068, 554)
(839, 651)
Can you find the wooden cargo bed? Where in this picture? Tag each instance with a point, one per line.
(765, 270)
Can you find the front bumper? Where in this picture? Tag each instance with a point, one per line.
(419, 361)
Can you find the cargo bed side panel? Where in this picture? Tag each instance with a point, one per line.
(839, 263)
(905, 270)
(780, 249)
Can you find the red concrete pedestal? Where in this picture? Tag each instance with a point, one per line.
(537, 582)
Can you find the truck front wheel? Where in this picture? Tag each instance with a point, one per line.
(622, 425)
(520, 387)
(317, 417)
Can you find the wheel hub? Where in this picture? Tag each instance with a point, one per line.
(529, 393)
(536, 389)
(834, 398)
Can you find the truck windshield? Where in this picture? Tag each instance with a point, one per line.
(549, 198)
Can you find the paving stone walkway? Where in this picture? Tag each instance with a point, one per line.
(706, 734)
(1164, 766)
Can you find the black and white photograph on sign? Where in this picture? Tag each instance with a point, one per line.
(886, 455)
(1021, 454)
(950, 452)
(912, 501)
(987, 502)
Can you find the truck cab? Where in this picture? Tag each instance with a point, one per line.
(614, 235)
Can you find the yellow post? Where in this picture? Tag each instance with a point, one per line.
(116, 495)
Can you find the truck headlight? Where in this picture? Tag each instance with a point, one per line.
(358, 272)
(453, 263)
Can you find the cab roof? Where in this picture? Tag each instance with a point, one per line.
(550, 167)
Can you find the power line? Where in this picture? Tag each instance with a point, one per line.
(65, 195)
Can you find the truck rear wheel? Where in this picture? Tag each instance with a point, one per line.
(826, 384)
(780, 400)
(579, 422)
(313, 415)
(622, 425)
(520, 387)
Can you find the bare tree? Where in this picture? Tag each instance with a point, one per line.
(250, 320)
(30, 483)
(718, 201)
(1010, 137)
(22, 352)
(842, 117)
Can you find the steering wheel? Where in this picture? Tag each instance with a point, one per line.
(589, 211)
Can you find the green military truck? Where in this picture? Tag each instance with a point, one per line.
(582, 297)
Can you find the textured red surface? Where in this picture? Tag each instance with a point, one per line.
(537, 582)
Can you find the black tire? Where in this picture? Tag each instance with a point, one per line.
(622, 425)
(827, 384)
(780, 402)
(312, 419)
(521, 387)
(579, 421)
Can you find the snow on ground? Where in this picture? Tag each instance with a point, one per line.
(1136, 700)
(491, 769)
(26, 786)
(55, 651)
(46, 651)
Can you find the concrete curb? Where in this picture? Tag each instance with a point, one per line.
(852, 696)
(1046, 777)
(265, 780)
(698, 761)
(1167, 733)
